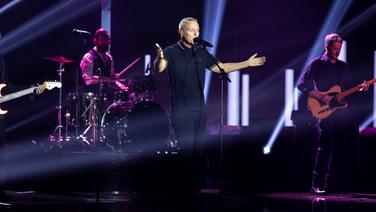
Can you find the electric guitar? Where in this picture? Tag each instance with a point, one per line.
(15, 95)
(323, 110)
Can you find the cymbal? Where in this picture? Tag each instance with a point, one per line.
(60, 59)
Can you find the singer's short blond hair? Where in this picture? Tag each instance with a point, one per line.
(184, 22)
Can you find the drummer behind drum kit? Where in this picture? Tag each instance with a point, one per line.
(130, 119)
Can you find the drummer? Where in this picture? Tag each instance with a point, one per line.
(99, 60)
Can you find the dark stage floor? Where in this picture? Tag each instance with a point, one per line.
(202, 201)
(64, 179)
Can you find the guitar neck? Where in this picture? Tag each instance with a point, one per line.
(17, 94)
(347, 92)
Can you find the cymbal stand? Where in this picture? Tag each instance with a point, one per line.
(58, 107)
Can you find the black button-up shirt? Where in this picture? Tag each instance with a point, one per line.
(186, 70)
(321, 75)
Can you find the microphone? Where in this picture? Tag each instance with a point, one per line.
(204, 43)
(82, 32)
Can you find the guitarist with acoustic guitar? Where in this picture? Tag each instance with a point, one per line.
(322, 81)
(9, 88)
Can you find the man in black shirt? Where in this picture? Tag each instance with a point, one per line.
(185, 64)
(338, 131)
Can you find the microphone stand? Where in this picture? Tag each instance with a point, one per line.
(87, 48)
(224, 77)
(95, 133)
(96, 127)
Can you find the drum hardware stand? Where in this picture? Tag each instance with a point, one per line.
(92, 110)
(97, 199)
(59, 127)
(96, 139)
(67, 120)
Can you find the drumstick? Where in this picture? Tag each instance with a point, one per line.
(128, 67)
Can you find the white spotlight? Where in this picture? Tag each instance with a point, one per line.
(266, 150)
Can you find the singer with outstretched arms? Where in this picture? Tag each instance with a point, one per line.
(185, 62)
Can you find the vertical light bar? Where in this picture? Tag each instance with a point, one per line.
(147, 65)
(343, 54)
(233, 99)
(106, 15)
(296, 98)
(289, 96)
(374, 89)
(245, 100)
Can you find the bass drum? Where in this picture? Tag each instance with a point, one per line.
(133, 128)
(114, 125)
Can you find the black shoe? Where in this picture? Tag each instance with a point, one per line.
(317, 191)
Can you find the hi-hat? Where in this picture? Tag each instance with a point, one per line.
(60, 59)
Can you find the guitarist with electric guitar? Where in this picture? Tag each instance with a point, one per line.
(322, 83)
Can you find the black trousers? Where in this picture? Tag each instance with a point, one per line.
(336, 159)
(189, 128)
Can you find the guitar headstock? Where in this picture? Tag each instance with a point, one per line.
(51, 85)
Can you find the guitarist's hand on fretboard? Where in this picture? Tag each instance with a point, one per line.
(364, 86)
(38, 90)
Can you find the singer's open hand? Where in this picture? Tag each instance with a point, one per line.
(256, 61)
(159, 51)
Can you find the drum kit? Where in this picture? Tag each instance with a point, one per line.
(129, 121)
